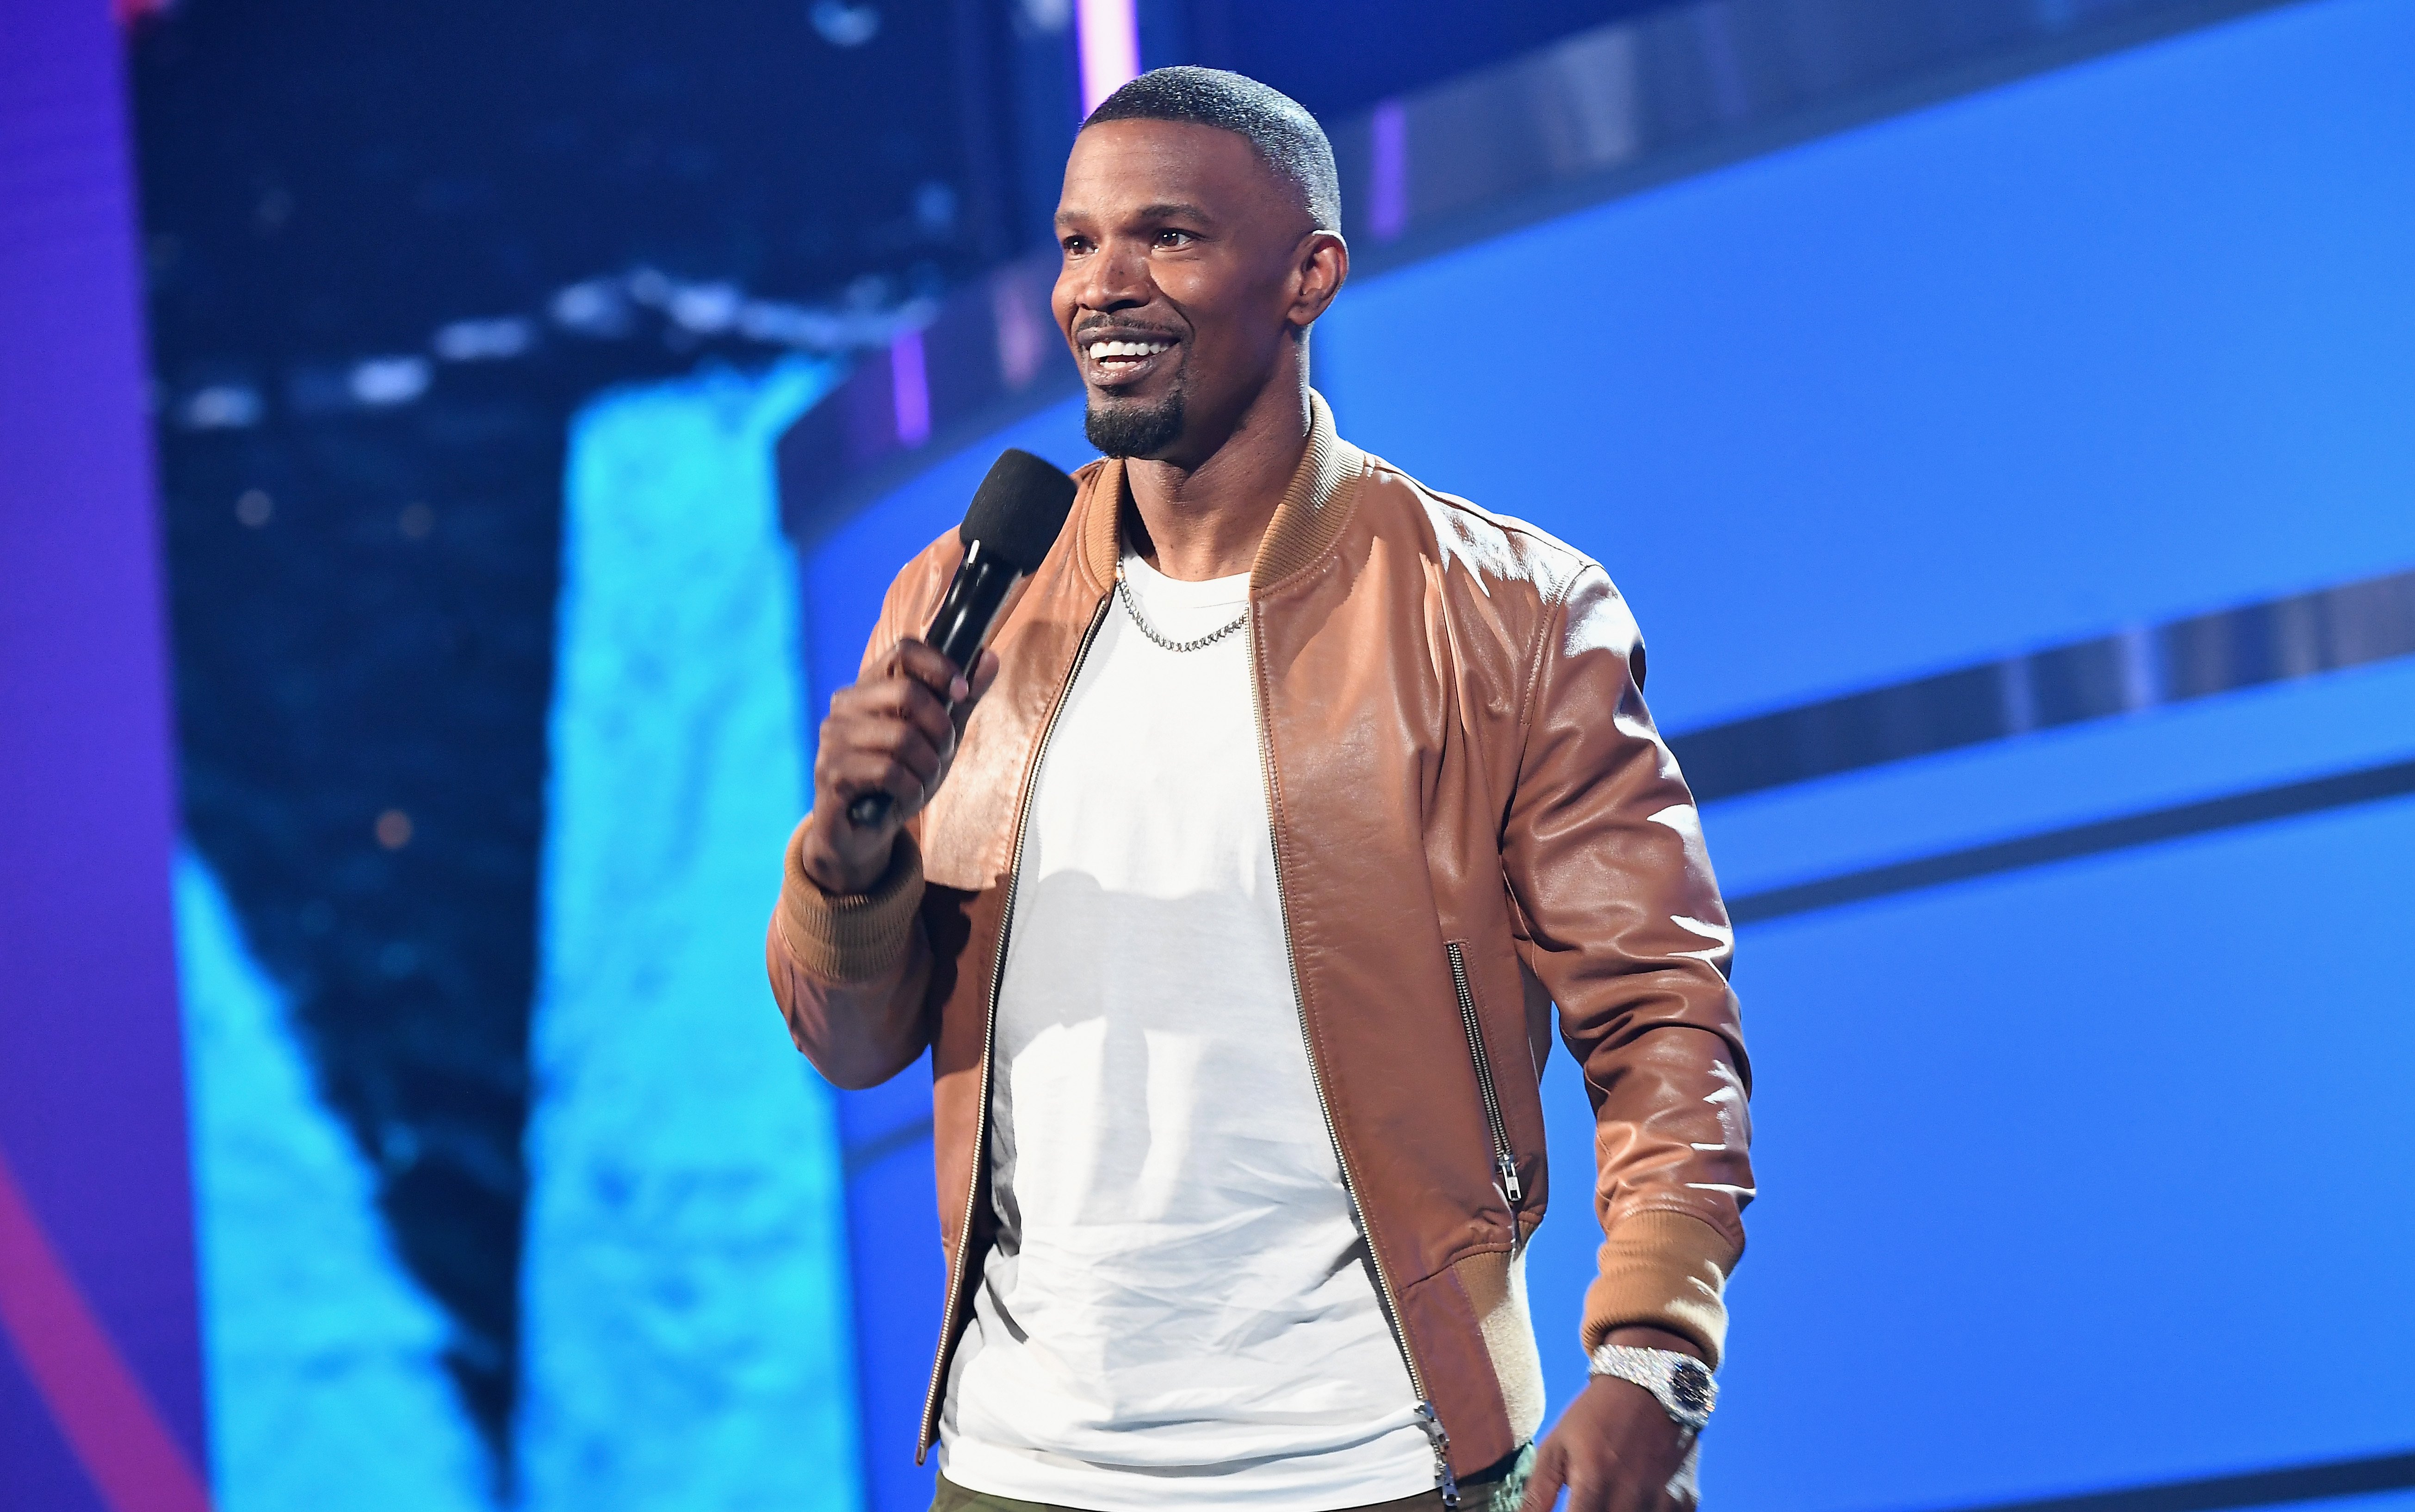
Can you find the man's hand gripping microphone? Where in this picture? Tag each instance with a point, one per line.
(1015, 518)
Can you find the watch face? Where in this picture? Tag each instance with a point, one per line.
(1690, 1383)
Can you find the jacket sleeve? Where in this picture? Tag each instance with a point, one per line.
(850, 972)
(1623, 924)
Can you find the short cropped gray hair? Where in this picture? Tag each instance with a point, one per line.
(1280, 128)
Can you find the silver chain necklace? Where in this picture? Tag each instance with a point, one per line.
(1131, 607)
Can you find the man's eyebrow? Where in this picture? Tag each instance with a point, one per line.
(1164, 210)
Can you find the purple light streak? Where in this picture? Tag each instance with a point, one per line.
(909, 389)
(1110, 37)
(1388, 192)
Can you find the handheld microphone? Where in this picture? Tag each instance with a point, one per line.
(1016, 515)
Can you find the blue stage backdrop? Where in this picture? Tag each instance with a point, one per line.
(688, 1342)
(2016, 496)
(684, 1284)
(326, 1381)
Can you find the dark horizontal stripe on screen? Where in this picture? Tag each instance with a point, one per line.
(2264, 1488)
(2255, 806)
(2276, 641)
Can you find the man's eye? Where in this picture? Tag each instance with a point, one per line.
(1174, 238)
(1075, 246)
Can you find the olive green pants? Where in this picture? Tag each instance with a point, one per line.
(1497, 1489)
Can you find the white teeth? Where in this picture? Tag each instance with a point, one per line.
(1101, 350)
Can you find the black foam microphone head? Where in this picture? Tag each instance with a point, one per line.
(1019, 509)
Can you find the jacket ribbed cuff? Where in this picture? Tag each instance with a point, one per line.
(857, 937)
(1666, 1269)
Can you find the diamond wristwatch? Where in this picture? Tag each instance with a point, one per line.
(1681, 1383)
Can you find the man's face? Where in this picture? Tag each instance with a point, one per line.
(1182, 287)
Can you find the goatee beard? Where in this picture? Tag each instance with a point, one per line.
(1133, 429)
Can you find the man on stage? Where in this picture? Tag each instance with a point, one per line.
(1234, 893)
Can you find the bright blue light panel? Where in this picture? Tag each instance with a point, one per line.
(2066, 1167)
(2116, 343)
(2045, 1157)
(2102, 348)
(686, 1317)
(686, 1306)
(324, 1357)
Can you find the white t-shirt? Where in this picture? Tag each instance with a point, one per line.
(1180, 1310)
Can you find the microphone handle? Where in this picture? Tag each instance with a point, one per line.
(957, 632)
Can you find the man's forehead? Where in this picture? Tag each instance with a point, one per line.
(1144, 167)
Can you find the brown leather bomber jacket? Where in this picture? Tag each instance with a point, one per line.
(1473, 819)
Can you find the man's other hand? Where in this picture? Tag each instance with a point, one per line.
(894, 731)
(1615, 1448)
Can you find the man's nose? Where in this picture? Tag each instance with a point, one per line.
(1115, 278)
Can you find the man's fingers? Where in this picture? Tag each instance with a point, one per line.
(909, 748)
(985, 673)
(1684, 1492)
(1598, 1481)
(1674, 1494)
(857, 773)
(893, 759)
(894, 744)
(1590, 1493)
(889, 737)
(927, 666)
(894, 731)
(868, 704)
(1543, 1483)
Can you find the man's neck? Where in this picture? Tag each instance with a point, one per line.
(1206, 520)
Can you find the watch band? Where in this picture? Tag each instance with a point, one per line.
(1681, 1383)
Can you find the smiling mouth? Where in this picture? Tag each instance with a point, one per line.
(1123, 359)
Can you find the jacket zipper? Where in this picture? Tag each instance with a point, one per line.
(1427, 1419)
(989, 1031)
(1504, 1160)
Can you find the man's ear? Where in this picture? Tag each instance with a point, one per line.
(1324, 266)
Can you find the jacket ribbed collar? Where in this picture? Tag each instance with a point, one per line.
(1314, 507)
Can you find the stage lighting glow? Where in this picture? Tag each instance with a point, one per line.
(1026, 329)
(1387, 191)
(254, 509)
(1109, 31)
(484, 340)
(1047, 17)
(382, 382)
(596, 308)
(393, 828)
(934, 208)
(845, 25)
(910, 387)
(705, 307)
(220, 407)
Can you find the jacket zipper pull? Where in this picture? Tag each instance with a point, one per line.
(1431, 1423)
(1509, 1185)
